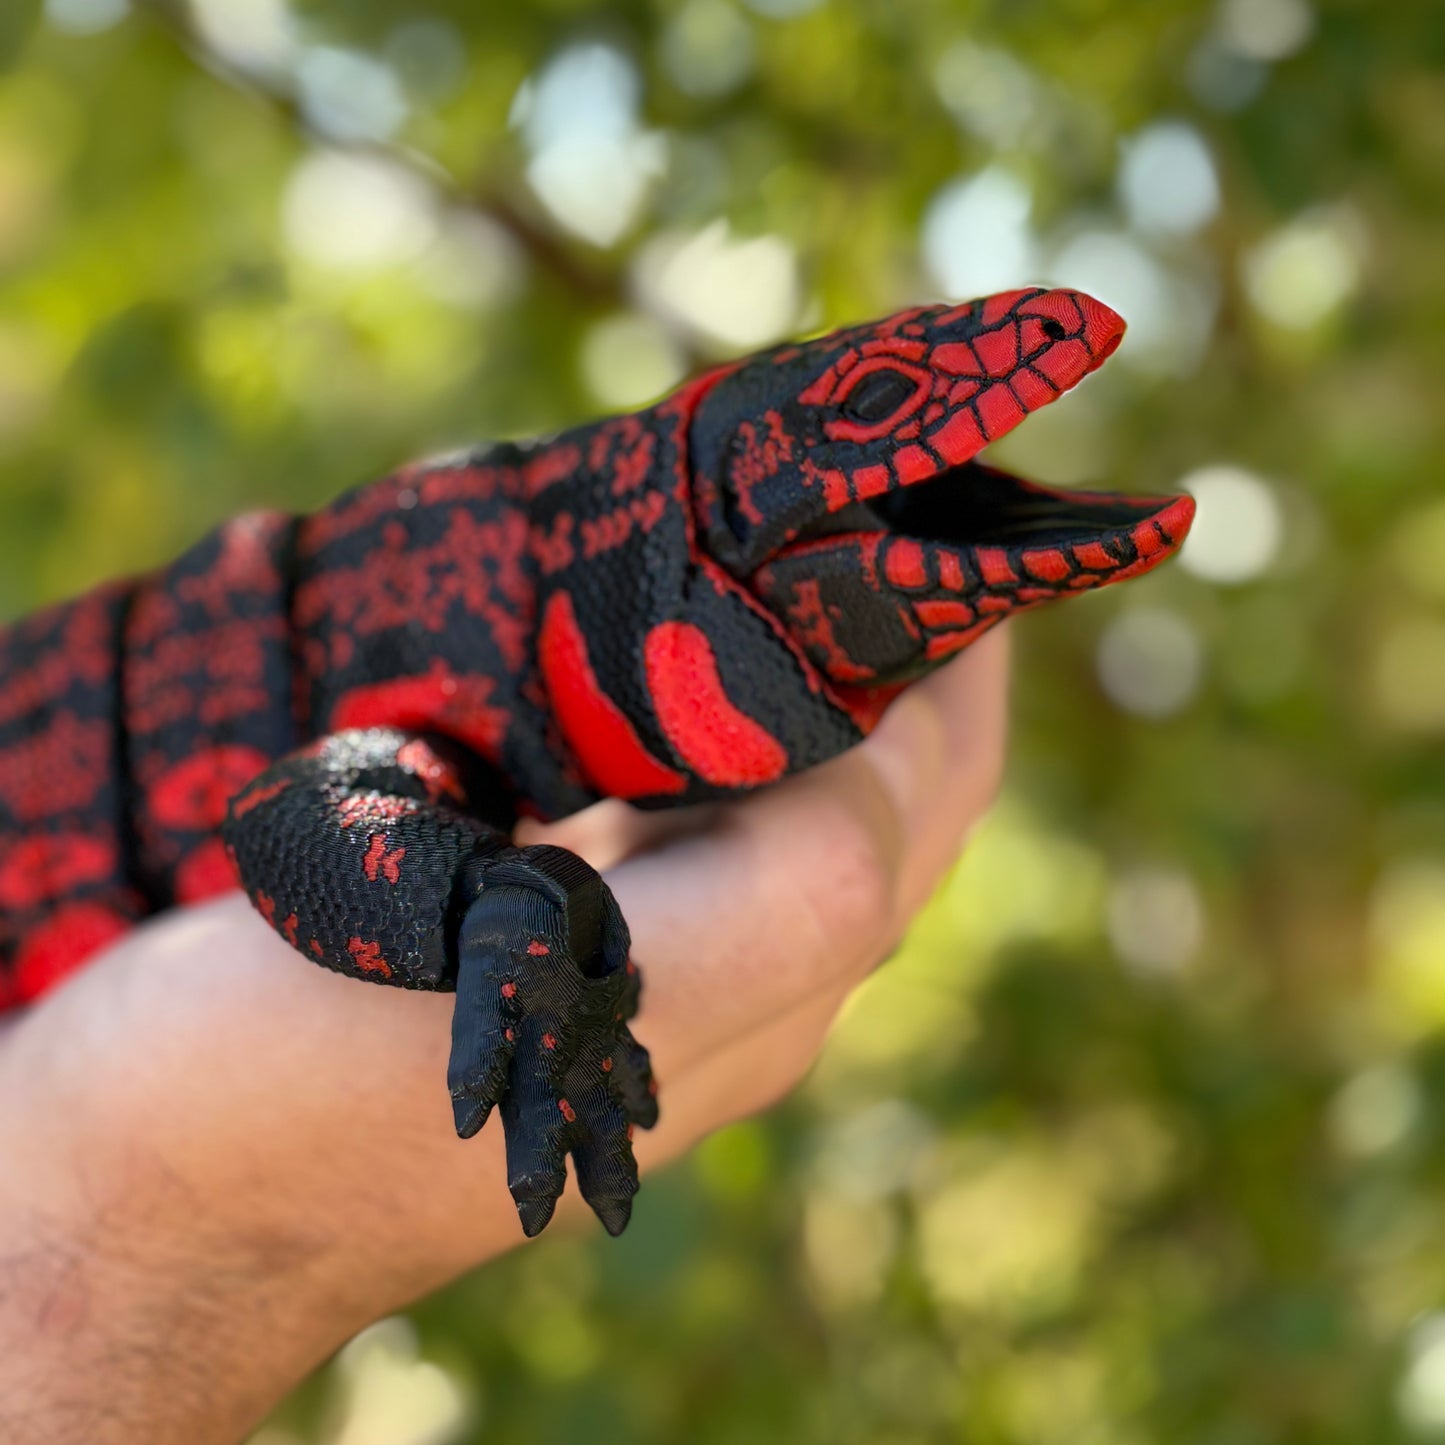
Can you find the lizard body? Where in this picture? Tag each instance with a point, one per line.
(346, 712)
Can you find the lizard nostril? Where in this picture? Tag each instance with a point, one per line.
(1054, 330)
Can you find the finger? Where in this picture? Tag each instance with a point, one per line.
(746, 1077)
(939, 753)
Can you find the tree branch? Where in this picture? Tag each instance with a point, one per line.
(595, 284)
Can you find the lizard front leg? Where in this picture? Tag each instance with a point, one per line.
(366, 852)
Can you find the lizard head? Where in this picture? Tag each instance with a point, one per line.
(837, 480)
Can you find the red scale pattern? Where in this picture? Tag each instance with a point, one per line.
(649, 607)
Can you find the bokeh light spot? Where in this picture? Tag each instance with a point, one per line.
(708, 48)
(1374, 1110)
(252, 35)
(1418, 549)
(391, 1396)
(592, 165)
(876, 1152)
(1409, 674)
(1303, 272)
(740, 292)
(349, 96)
(473, 264)
(1407, 940)
(848, 1245)
(990, 92)
(629, 359)
(356, 213)
(1266, 29)
(782, 9)
(1167, 179)
(430, 57)
(86, 17)
(1150, 662)
(1238, 526)
(1155, 919)
(1221, 78)
(1421, 1396)
(976, 235)
(1010, 1232)
(1170, 315)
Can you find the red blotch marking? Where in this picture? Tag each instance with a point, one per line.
(996, 307)
(35, 869)
(367, 957)
(1064, 363)
(904, 565)
(957, 358)
(1093, 556)
(289, 929)
(568, 1112)
(950, 571)
(719, 742)
(193, 794)
(1047, 565)
(437, 775)
(995, 604)
(538, 949)
(998, 350)
(207, 871)
(252, 798)
(959, 438)
(550, 465)
(378, 862)
(509, 990)
(549, 1041)
(944, 614)
(55, 949)
(1000, 410)
(913, 464)
(835, 490)
(1032, 390)
(866, 705)
(317, 949)
(994, 566)
(947, 643)
(605, 743)
(438, 701)
(871, 481)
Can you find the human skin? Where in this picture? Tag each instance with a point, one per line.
(220, 1164)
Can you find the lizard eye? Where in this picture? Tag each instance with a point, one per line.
(878, 395)
(1054, 330)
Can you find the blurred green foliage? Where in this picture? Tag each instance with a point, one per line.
(1142, 1137)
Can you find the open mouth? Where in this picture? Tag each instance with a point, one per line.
(1051, 534)
(881, 589)
(978, 505)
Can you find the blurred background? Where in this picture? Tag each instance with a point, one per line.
(1142, 1136)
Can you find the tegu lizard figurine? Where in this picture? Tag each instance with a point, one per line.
(345, 713)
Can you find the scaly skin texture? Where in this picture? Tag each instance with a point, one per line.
(671, 606)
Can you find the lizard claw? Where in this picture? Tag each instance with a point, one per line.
(544, 990)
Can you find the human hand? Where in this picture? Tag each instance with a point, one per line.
(219, 1165)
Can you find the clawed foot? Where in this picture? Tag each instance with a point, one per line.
(544, 992)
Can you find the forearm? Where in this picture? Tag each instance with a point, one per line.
(220, 1162)
(171, 1267)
